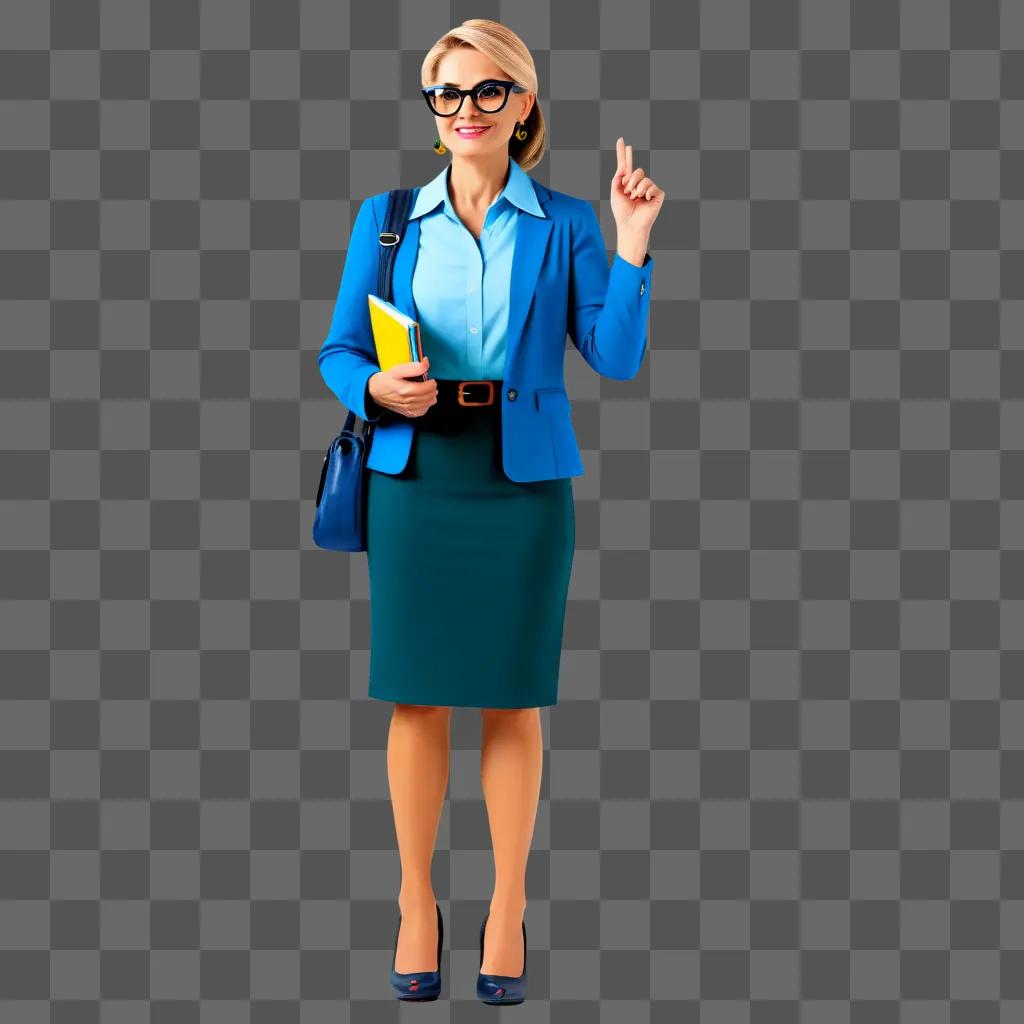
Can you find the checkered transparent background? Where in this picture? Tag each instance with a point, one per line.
(784, 781)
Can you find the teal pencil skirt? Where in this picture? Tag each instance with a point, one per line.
(469, 571)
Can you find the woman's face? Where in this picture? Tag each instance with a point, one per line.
(465, 68)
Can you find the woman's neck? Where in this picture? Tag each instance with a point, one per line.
(474, 184)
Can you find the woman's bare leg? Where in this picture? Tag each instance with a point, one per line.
(418, 749)
(511, 762)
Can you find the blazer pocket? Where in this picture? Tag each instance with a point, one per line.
(551, 398)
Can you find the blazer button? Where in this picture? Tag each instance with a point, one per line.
(511, 394)
(643, 285)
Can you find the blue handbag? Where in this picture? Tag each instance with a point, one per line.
(339, 523)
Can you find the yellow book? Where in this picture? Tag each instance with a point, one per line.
(395, 335)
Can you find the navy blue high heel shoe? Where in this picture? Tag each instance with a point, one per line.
(499, 989)
(420, 985)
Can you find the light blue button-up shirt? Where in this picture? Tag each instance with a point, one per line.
(461, 285)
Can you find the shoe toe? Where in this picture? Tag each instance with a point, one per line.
(500, 988)
(416, 984)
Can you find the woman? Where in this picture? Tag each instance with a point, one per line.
(470, 519)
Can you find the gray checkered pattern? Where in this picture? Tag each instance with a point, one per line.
(782, 783)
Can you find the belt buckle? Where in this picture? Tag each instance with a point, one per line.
(462, 393)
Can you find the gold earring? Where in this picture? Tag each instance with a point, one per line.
(439, 147)
(520, 133)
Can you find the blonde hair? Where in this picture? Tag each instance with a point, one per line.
(512, 55)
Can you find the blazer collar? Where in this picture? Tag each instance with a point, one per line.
(518, 190)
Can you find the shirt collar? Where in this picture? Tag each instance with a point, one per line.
(518, 191)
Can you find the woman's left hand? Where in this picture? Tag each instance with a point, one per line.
(636, 200)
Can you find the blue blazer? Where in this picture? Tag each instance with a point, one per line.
(561, 283)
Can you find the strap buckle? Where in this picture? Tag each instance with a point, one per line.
(389, 238)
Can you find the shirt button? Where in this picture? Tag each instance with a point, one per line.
(472, 330)
(643, 285)
(511, 394)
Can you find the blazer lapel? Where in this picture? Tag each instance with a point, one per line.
(532, 235)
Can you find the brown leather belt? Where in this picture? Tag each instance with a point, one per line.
(460, 403)
(467, 394)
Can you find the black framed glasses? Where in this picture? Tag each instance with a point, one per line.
(489, 96)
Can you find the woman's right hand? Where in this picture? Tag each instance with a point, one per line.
(390, 389)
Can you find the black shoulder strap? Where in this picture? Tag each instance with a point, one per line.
(400, 202)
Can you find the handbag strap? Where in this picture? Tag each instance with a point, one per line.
(396, 219)
(400, 202)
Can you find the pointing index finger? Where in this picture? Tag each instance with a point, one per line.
(620, 153)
